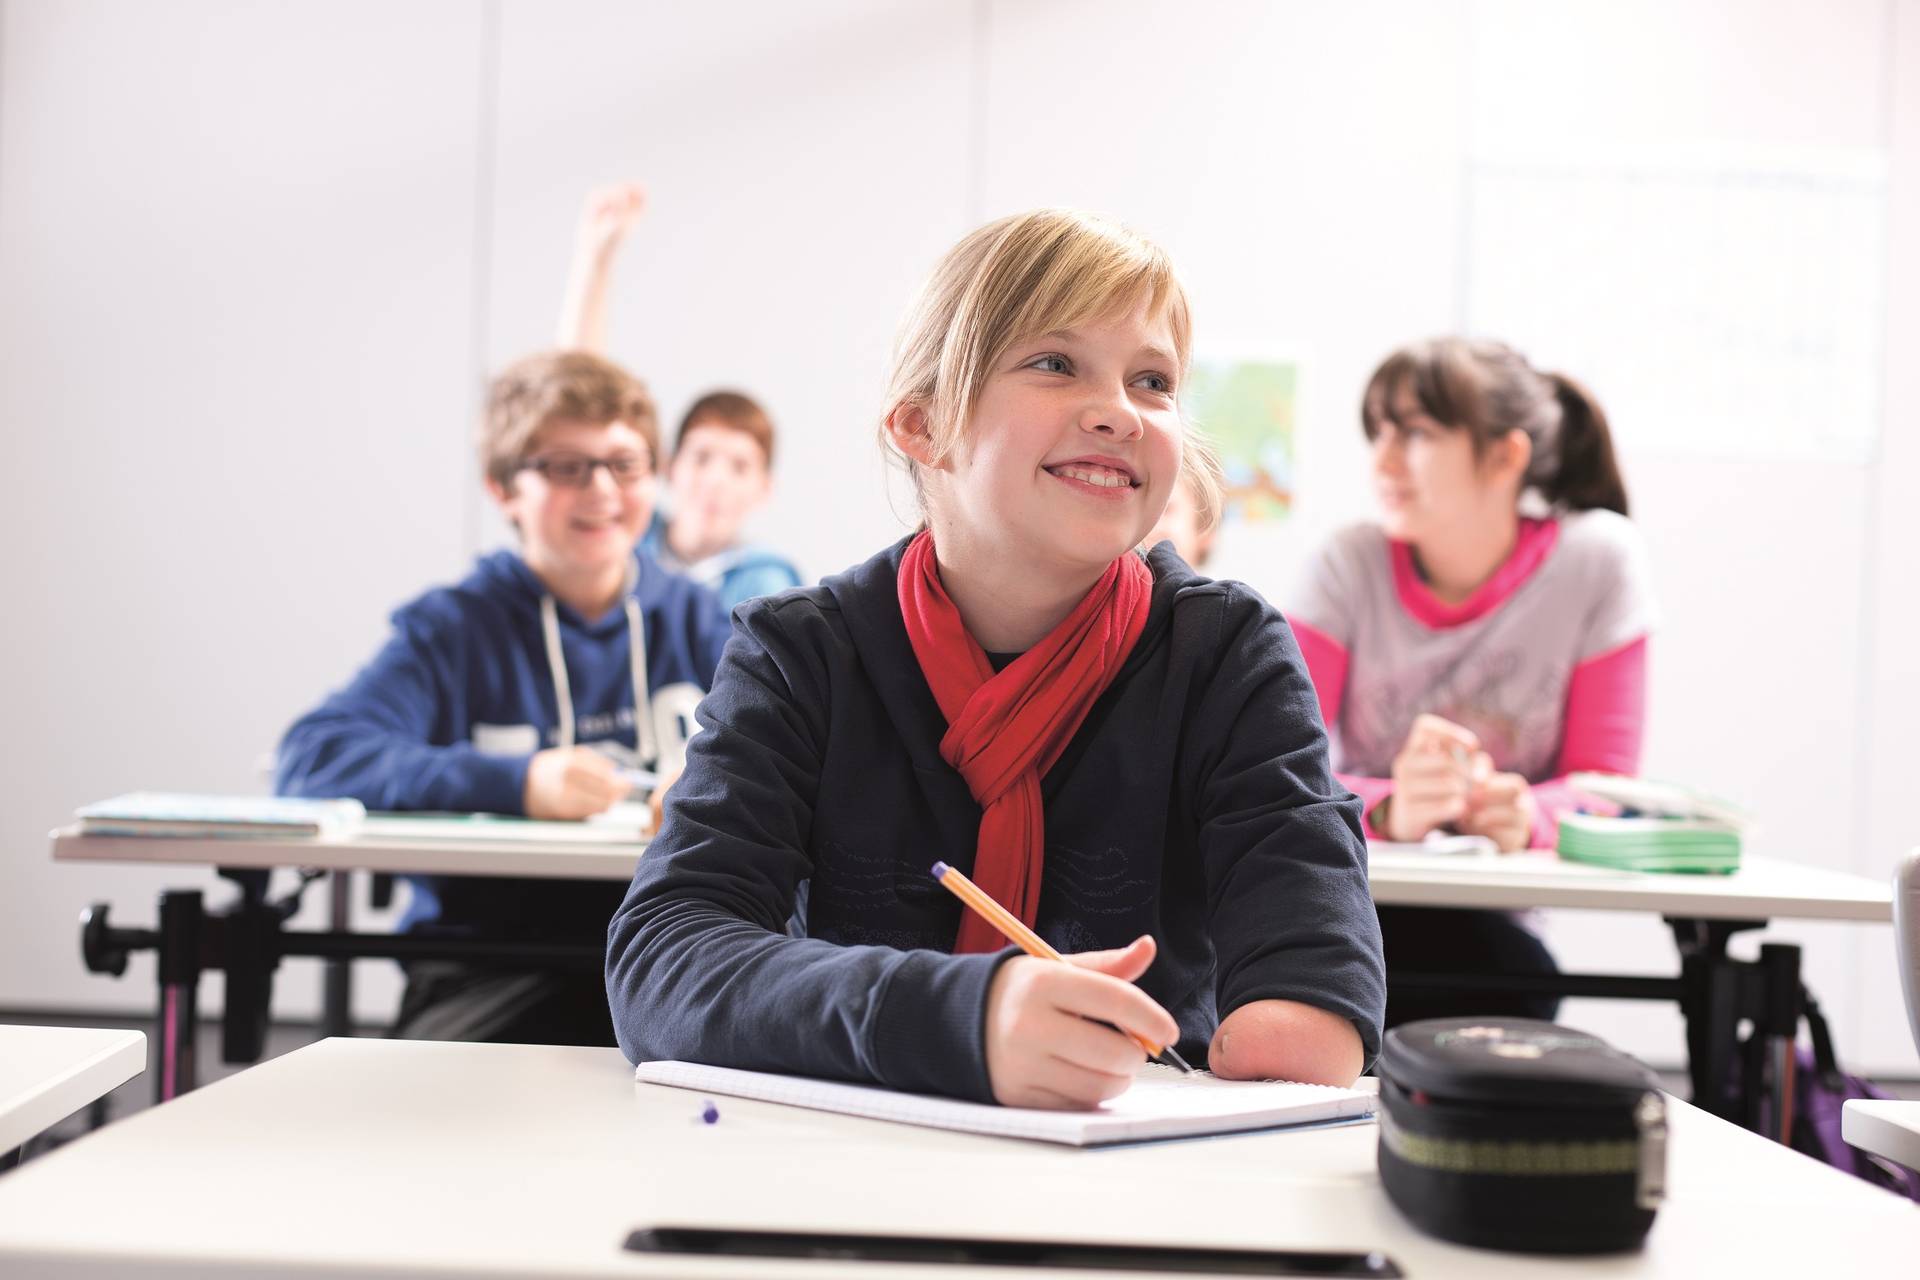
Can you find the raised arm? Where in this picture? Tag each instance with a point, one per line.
(609, 214)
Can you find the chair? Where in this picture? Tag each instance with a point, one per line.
(1891, 1130)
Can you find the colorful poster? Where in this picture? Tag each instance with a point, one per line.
(1248, 409)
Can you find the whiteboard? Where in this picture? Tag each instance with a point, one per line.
(1718, 301)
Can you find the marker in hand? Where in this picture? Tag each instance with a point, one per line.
(1030, 942)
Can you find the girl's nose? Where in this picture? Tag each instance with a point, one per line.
(1386, 453)
(1112, 414)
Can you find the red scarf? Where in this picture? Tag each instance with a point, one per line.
(1005, 731)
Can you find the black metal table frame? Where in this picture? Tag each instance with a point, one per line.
(1744, 1081)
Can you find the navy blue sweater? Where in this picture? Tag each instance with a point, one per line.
(1195, 804)
(449, 713)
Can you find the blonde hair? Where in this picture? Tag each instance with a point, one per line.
(1022, 275)
(559, 385)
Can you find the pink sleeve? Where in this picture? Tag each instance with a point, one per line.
(1327, 666)
(1371, 792)
(1605, 725)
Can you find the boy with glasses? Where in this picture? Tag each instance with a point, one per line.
(537, 686)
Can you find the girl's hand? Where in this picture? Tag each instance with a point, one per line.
(571, 783)
(1502, 808)
(610, 213)
(1433, 778)
(1046, 1045)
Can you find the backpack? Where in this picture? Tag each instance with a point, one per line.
(1819, 1090)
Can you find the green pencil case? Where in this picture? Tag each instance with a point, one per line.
(1510, 1133)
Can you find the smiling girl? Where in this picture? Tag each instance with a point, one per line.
(1486, 637)
(1125, 754)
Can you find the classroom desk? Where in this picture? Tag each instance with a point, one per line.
(364, 1157)
(1762, 889)
(1885, 1128)
(48, 1073)
(1714, 991)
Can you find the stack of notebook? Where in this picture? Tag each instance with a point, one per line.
(155, 813)
(1660, 827)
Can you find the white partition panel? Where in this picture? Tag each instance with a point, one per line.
(1887, 669)
(1300, 161)
(235, 265)
(805, 166)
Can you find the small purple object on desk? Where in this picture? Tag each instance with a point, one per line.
(709, 1114)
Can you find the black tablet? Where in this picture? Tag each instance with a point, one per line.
(708, 1242)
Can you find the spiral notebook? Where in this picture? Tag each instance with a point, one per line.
(1163, 1103)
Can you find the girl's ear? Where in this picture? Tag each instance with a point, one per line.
(1509, 458)
(911, 433)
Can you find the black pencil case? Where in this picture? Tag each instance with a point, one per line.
(1510, 1133)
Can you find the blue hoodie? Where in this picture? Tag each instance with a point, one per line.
(736, 575)
(449, 713)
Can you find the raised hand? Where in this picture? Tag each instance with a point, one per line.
(610, 213)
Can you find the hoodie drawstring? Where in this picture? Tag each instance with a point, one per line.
(642, 697)
(636, 662)
(562, 691)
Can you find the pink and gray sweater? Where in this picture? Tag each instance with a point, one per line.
(1546, 662)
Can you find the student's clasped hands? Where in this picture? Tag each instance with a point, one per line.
(1443, 778)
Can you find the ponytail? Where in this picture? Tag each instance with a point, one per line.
(1588, 474)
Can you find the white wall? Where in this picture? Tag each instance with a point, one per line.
(255, 262)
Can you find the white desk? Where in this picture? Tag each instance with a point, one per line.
(48, 1073)
(1703, 909)
(1888, 1129)
(361, 1157)
(1763, 888)
(542, 850)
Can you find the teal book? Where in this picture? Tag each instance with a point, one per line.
(1661, 827)
(164, 813)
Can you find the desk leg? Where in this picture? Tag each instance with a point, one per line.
(1711, 1006)
(1719, 992)
(1778, 1027)
(181, 920)
(336, 1015)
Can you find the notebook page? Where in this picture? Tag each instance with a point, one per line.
(1162, 1103)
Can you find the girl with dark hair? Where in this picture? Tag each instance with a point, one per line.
(1486, 637)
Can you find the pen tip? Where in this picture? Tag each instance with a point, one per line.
(1175, 1060)
(939, 870)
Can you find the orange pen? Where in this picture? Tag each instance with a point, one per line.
(1032, 943)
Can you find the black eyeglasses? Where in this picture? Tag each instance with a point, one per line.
(575, 470)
